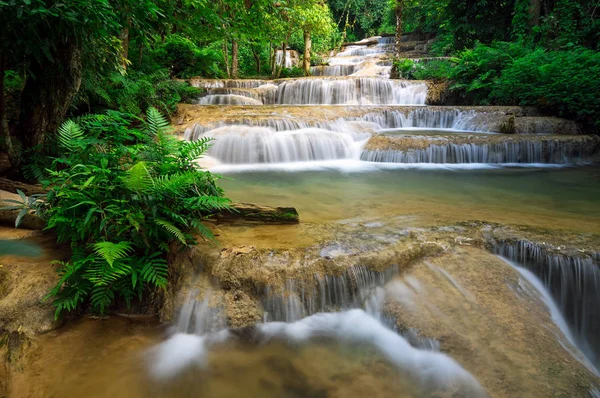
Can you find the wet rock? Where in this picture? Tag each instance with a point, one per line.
(24, 284)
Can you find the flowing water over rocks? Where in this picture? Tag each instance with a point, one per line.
(387, 287)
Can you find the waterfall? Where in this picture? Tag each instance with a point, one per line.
(573, 282)
(325, 293)
(246, 145)
(333, 70)
(546, 151)
(228, 99)
(357, 287)
(288, 63)
(355, 91)
(428, 117)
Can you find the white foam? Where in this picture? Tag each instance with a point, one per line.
(357, 166)
(433, 370)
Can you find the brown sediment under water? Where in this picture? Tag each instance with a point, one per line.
(563, 198)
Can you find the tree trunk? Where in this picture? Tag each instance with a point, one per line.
(125, 44)
(225, 50)
(398, 12)
(535, 9)
(48, 93)
(273, 55)
(141, 54)
(307, 48)
(6, 142)
(234, 59)
(256, 56)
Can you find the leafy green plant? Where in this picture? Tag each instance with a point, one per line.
(436, 70)
(405, 67)
(563, 82)
(33, 203)
(477, 70)
(132, 92)
(121, 196)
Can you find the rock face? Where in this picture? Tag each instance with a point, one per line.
(443, 288)
(24, 283)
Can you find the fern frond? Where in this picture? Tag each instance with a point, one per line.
(155, 271)
(208, 203)
(174, 183)
(101, 297)
(68, 134)
(173, 230)
(111, 252)
(192, 150)
(157, 123)
(138, 178)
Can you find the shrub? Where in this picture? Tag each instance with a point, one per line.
(477, 70)
(436, 70)
(564, 82)
(121, 196)
(292, 72)
(184, 59)
(433, 70)
(132, 92)
(405, 68)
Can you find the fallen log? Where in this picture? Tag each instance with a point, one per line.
(255, 213)
(243, 212)
(27, 189)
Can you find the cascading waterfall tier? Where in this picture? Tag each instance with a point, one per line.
(326, 293)
(345, 322)
(243, 144)
(321, 91)
(351, 91)
(501, 149)
(574, 283)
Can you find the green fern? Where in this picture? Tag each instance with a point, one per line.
(194, 150)
(69, 133)
(173, 230)
(111, 252)
(118, 191)
(138, 178)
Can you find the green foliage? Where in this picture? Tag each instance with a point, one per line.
(405, 68)
(133, 91)
(436, 70)
(33, 203)
(292, 72)
(360, 18)
(121, 196)
(563, 82)
(477, 70)
(184, 59)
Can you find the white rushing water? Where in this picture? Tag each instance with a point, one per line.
(346, 322)
(555, 313)
(574, 285)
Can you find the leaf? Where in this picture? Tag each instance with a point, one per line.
(69, 135)
(138, 178)
(22, 195)
(173, 230)
(20, 216)
(111, 252)
(88, 182)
